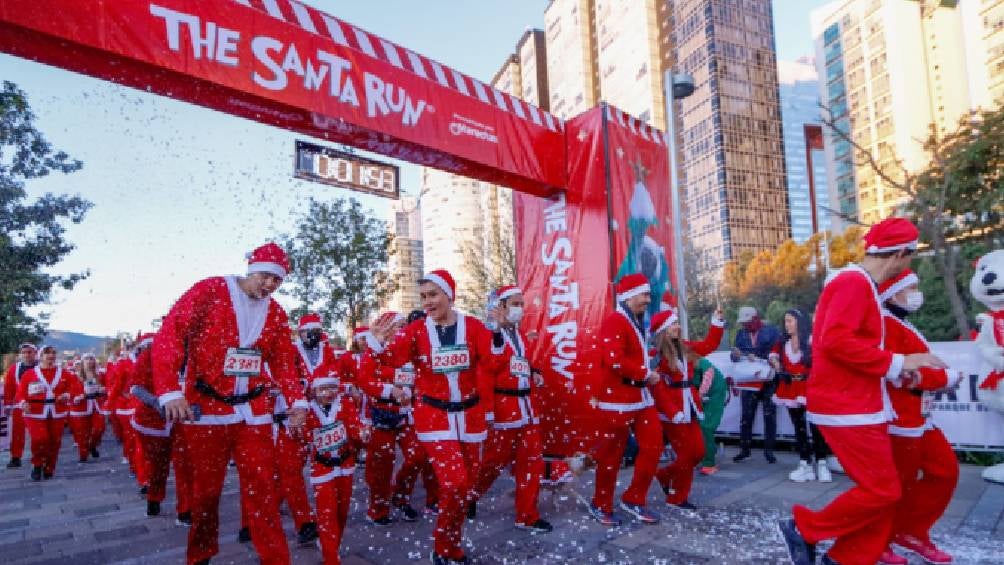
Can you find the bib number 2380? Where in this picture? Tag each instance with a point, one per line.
(242, 362)
(451, 359)
(330, 438)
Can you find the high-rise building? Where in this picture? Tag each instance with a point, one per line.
(629, 57)
(983, 31)
(572, 70)
(405, 265)
(799, 89)
(890, 70)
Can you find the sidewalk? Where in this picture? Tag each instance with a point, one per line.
(92, 514)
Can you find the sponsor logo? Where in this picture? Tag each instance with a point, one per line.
(470, 128)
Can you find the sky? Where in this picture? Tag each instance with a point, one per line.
(181, 192)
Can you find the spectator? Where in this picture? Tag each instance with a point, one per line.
(755, 341)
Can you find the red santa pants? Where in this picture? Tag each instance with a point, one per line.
(925, 498)
(132, 449)
(456, 464)
(87, 431)
(116, 426)
(688, 445)
(291, 456)
(861, 518)
(407, 477)
(46, 437)
(521, 448)
(158, 453)
(333, 498)
(209, 449)
(613, 439)
(182, 469)
(380, 455)
(16, 426)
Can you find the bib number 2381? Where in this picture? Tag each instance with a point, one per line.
(451, 359)
(242, 362)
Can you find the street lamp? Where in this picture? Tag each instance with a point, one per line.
(677, 86)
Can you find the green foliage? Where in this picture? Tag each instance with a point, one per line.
(339, 259)
(32, 229)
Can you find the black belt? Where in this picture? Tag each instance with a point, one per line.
(386, 401)
(233, 399)
(788, 377)
(682, 384)
(94, 396)
(916, 392)
(279, 418)
(451, 406)
(328, 461)
(634, 383)
(46, 401)
(517, 392)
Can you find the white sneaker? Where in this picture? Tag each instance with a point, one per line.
(823, 472)
(834, 465)
(803, 473)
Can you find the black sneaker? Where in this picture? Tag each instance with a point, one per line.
(244, 535)
(184, 519)
(46, 475)
(440, 560)
(540, 526)
(36, 473)
(742, 456)
(472, 511)
(384, 521)
(94, 453)
(15, 462)
(827, 560)
(408, 514)
(685, 505)
(800, 551)
(83, 459)
(307, 533)
(770, 457)
(143, 490)
(152, 508)
(203, 562)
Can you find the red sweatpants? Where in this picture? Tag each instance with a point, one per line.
(116, 425)
(614, 436)
(380, 455)
(291, 456)
(210, 448)
(15, 425)
(46, 437)
(456, 465)
(87, 432)
(333, 498)
(132, 449)
(521, 448)
(182, 469)
(925, 498)
(158, 453)
(688, 445)
(861, 518)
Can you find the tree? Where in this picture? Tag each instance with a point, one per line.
(32, 238)
(702, 290)
(339, 259)
(489, 261)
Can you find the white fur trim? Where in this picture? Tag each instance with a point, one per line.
(641, 289)
(879, 417)
(440, 282)
(669, 322)
(310, 326)
(510, 293)
(872, 249)
(898, 286)
(321, 381)
(272, 268)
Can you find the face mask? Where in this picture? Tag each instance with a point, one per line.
(515, 314)
(311, 340)
(914, 301)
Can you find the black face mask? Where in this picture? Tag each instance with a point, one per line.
(312, 339)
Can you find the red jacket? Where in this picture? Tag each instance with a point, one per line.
(414, 344)
(675, 394)
(203, 328)
(10, 384)
(912, 418)
(344, 418)
(508, 391)
(377, 381)
(791, 395)
(849, 363)
(120, 391)
(40, 390)
(93, 399)
(624, 365)
(147, 419)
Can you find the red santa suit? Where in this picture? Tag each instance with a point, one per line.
(623, 396)
(87, 420)
(15, 416)
(155, 435)
(226, 337)
(111, 377)
(449, 418)
(917, 445)
(846, 397)
(679, 404)
(334, 441)
(45, 396)
(123, 407)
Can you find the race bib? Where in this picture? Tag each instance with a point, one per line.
(242, 362)
(91, 388)
(451, 359)
(519, 367)
(36, 388)
(926, 404)
(404, 377)
(330, 438)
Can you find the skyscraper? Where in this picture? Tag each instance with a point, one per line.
(572, 74)
(405, 265)
(451, 223)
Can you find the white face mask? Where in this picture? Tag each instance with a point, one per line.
(515, 314)
(914, 300)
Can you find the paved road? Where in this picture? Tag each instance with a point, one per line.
(91, 513)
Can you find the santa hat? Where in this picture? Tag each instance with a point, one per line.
(890, 287)
(632, 285)
(508, 292)
(87, 356)
(326, 380)
(360, 333)
(269, 258)
(395, 317)
(144, 340)
(891, 234)
(663, 320)
(444, 280)
(309, 321)
(26, 345)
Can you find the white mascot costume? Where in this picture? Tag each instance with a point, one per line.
(987, 286)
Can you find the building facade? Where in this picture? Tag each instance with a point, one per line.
(406, 263)
(572, 70)
(799, 91)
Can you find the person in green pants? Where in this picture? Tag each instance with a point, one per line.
(713, 397)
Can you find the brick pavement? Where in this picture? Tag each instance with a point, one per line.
(92, 514)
